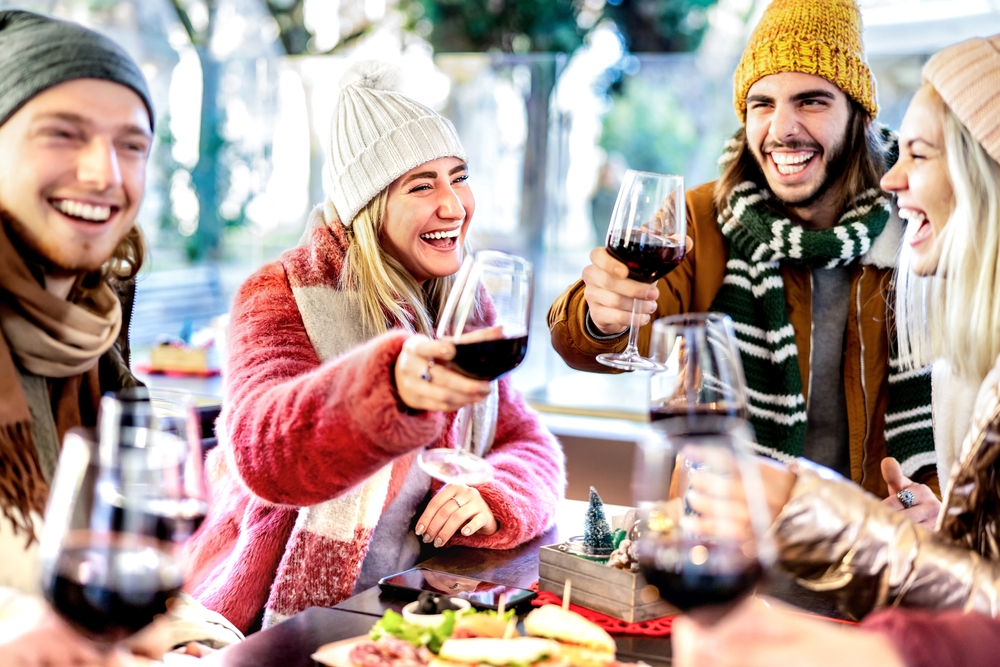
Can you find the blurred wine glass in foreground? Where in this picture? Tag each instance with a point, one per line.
(119, 510)
(487, 316)
(703, 537)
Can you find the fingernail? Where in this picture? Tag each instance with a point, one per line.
(427, 538)
(420, 529)
(467, 531)
(442, 350)
(438, 542)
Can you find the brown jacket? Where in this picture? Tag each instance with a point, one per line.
(837, 539)
(692, 288)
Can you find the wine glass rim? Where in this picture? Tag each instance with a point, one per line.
(692, 319)
(483, 257)
(640, 172)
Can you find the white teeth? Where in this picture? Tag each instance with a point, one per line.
(442, 235)
(791, 158)
(912, 215)
(79, 209)
(788, 169)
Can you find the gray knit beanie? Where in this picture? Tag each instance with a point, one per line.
(38, 52)
(378, 135)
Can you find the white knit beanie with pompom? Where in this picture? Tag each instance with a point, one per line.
(378, 135)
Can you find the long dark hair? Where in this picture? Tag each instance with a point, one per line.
(865, 159)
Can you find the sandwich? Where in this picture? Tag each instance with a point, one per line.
(481, 624)
(490, 652)
(581, 643)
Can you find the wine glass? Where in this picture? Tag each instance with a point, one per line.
(703, 540)
(648, 233)
(487, 315)
(119, 508)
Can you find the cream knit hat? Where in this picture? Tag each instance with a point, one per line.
(378, 135)
(967, 76)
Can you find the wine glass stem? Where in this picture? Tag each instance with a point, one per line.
(465, 428)
(631, 350)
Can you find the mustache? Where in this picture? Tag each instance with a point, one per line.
(791, 146)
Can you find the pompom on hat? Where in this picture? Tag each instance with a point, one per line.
(379, 134)
(820, 37)
(38, 52)
(967, 76)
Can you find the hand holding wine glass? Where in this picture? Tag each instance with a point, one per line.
(487, 317)
(119, 508)
(647, 233)
(702, 541)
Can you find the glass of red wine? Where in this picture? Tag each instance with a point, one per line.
(703, 537)
(648, 233)
(120, 507)
(487, 315)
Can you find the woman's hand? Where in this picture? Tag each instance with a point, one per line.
(425, 384)
(925, 508)
(455, 506)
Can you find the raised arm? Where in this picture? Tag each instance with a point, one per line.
(302, 431)
(836, 537)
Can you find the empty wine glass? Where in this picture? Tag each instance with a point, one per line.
(648, 233)
(703, 540)
(120, 506)
(487, 315)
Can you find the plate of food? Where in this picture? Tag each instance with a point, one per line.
(553, 637)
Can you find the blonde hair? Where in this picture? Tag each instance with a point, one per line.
(386, 290)
(955, 314)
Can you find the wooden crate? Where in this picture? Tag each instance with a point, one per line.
(617, 593)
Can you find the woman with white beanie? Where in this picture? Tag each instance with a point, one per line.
(332, 387)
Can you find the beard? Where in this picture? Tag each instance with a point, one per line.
(34, 254)
(834, 165)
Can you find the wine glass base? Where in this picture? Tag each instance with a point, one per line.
(627, 363)
(453, 466)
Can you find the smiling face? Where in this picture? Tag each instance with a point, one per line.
(73, 171)
(920, 179)
(427, 214)
(796, 130)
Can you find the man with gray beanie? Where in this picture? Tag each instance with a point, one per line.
(76, 126)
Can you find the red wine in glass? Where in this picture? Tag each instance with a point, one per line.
(489, 359)
(698, 572)
(648, 257)
(111, 592)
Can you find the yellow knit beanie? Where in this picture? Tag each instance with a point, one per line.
(821, 37)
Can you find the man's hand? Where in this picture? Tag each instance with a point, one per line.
(926, 506)
(610, 294)
(763, 634)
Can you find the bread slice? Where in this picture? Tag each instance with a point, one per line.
(568, 627)
(498, 652)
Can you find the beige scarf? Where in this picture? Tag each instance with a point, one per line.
(51, 338)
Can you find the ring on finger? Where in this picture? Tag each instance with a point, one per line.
(426, 375)
(906, 498)
(457, 501)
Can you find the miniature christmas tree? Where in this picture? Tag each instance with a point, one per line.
(596, 531)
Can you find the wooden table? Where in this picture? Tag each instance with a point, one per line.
(291, 643)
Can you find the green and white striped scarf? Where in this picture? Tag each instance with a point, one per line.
(753, 294)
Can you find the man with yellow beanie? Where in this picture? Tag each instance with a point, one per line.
(796, 242)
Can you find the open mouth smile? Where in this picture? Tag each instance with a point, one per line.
(84, 211)
(443, 239)
(918, 223)
(792, 163)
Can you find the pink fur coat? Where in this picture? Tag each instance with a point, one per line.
(297, 432)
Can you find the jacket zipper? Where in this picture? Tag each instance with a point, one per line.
(864, 386)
